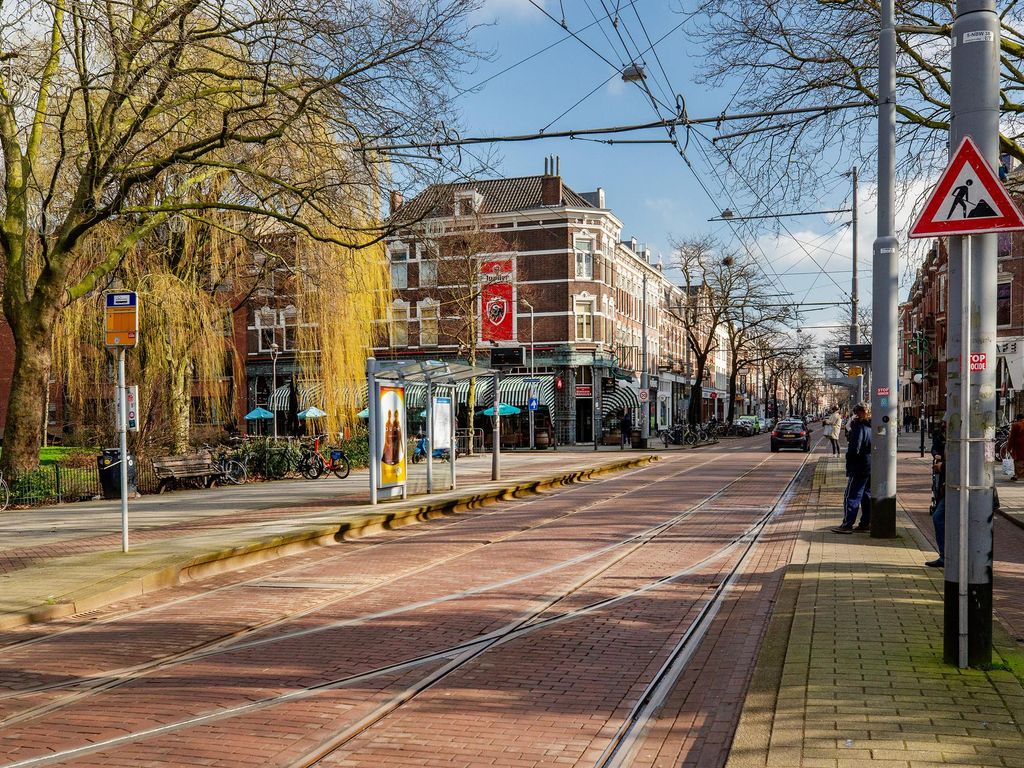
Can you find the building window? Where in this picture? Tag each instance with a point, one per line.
(584, 259)
(584, 320)
(399, 324)
(400, 275)
(1003, 293)
(428, 273)
(428, 324)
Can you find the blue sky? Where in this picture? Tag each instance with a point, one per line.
(649, 187)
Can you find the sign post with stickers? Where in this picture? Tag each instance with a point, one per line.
(121, 330)
(970, 206)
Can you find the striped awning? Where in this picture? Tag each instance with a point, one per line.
(309, 395)
(618, 399)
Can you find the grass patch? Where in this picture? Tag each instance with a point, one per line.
(55, 453)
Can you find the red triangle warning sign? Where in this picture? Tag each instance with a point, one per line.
(968, 200)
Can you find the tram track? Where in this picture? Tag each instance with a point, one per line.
(120, 676)
(458, 656)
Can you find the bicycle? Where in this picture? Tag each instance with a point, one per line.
(336, 463)
(233, 469)
(5, 493)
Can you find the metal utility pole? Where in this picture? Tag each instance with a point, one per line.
(854, 291)
(273, 382)
(885, 285)
(645, 382)
(122, 437)
(971, 396)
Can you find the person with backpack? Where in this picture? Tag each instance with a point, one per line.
(858, 473)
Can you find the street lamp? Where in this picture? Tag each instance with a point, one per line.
(273, 382)
(533, 369)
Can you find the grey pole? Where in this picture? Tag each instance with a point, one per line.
(122, 436)
(371, 421)
(975, 113)
(430, 436)
(453, 446)
(855, 291)
(885, 285)
(645, 383)
(532, 389)
(273, 383)
(496, 434)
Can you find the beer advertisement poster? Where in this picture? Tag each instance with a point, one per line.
(497, 312)
(391, 436)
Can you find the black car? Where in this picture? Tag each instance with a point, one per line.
(791, 433)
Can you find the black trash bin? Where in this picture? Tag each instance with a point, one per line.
(110, 473)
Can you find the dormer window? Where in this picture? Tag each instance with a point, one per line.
(468, 202)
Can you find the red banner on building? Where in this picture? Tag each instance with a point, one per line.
(496, 308)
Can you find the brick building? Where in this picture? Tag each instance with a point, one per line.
(592, 293)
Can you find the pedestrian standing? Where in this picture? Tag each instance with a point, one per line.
(1015, 447)
(626, 426)
(833, 423)
(858, 473)
(939, 495)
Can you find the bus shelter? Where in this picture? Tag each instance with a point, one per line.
(386, 387)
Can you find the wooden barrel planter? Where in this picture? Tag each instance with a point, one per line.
(542, 439)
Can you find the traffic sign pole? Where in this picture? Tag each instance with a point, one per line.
(122, 435)
(972, 328)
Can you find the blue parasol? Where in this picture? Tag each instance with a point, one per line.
(258, 413)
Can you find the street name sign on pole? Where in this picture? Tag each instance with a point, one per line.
(121, 331)
(968, 200)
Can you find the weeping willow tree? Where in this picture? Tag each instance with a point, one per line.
(112, 115)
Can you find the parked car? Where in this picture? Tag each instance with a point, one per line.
(791, 433)
(753, 421)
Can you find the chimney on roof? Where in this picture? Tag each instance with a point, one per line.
(395, 201)
(551, 182)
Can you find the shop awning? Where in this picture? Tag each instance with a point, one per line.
(618, 399)
(310, 394)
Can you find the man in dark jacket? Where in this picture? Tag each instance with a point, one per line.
(858, 473)
(939, 494)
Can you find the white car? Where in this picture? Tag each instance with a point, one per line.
(753, 421)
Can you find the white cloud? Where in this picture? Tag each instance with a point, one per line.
(509, 10)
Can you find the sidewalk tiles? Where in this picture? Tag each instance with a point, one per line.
(851, 672)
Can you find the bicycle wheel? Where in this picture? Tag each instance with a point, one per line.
(5, 495)
(235, 473)
(691, 438)
(277, 465)
(312, 466)
(340, 468)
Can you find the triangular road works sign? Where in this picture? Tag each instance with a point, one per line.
(968, 200)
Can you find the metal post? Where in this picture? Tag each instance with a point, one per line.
(453, 445)
(373, 417)
(968, 588)
(884, 374)
(496, 434)
(533, 389)
(273, 382)
(645, 384)
(595, 401)
(920, 356)
(430, 437)
(855, 291)
(122, 434)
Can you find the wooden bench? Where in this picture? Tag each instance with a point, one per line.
(170, 469)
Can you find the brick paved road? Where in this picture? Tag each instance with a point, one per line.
(522, 635)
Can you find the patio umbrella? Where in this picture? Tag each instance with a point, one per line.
(258, 413)
(364, 414)
(312, 413)
(503, 410)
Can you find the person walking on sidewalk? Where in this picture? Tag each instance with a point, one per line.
(626, 426)
(1015, 447)
(858, 473)
(833, 424)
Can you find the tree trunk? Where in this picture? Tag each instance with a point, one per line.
(23, 430)
(733, 376)
(181, 401)
(697, 394)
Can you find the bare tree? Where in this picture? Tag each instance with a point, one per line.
(112, 115)
(825, 52)
(719, 287)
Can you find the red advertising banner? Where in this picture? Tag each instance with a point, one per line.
(497, 312)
